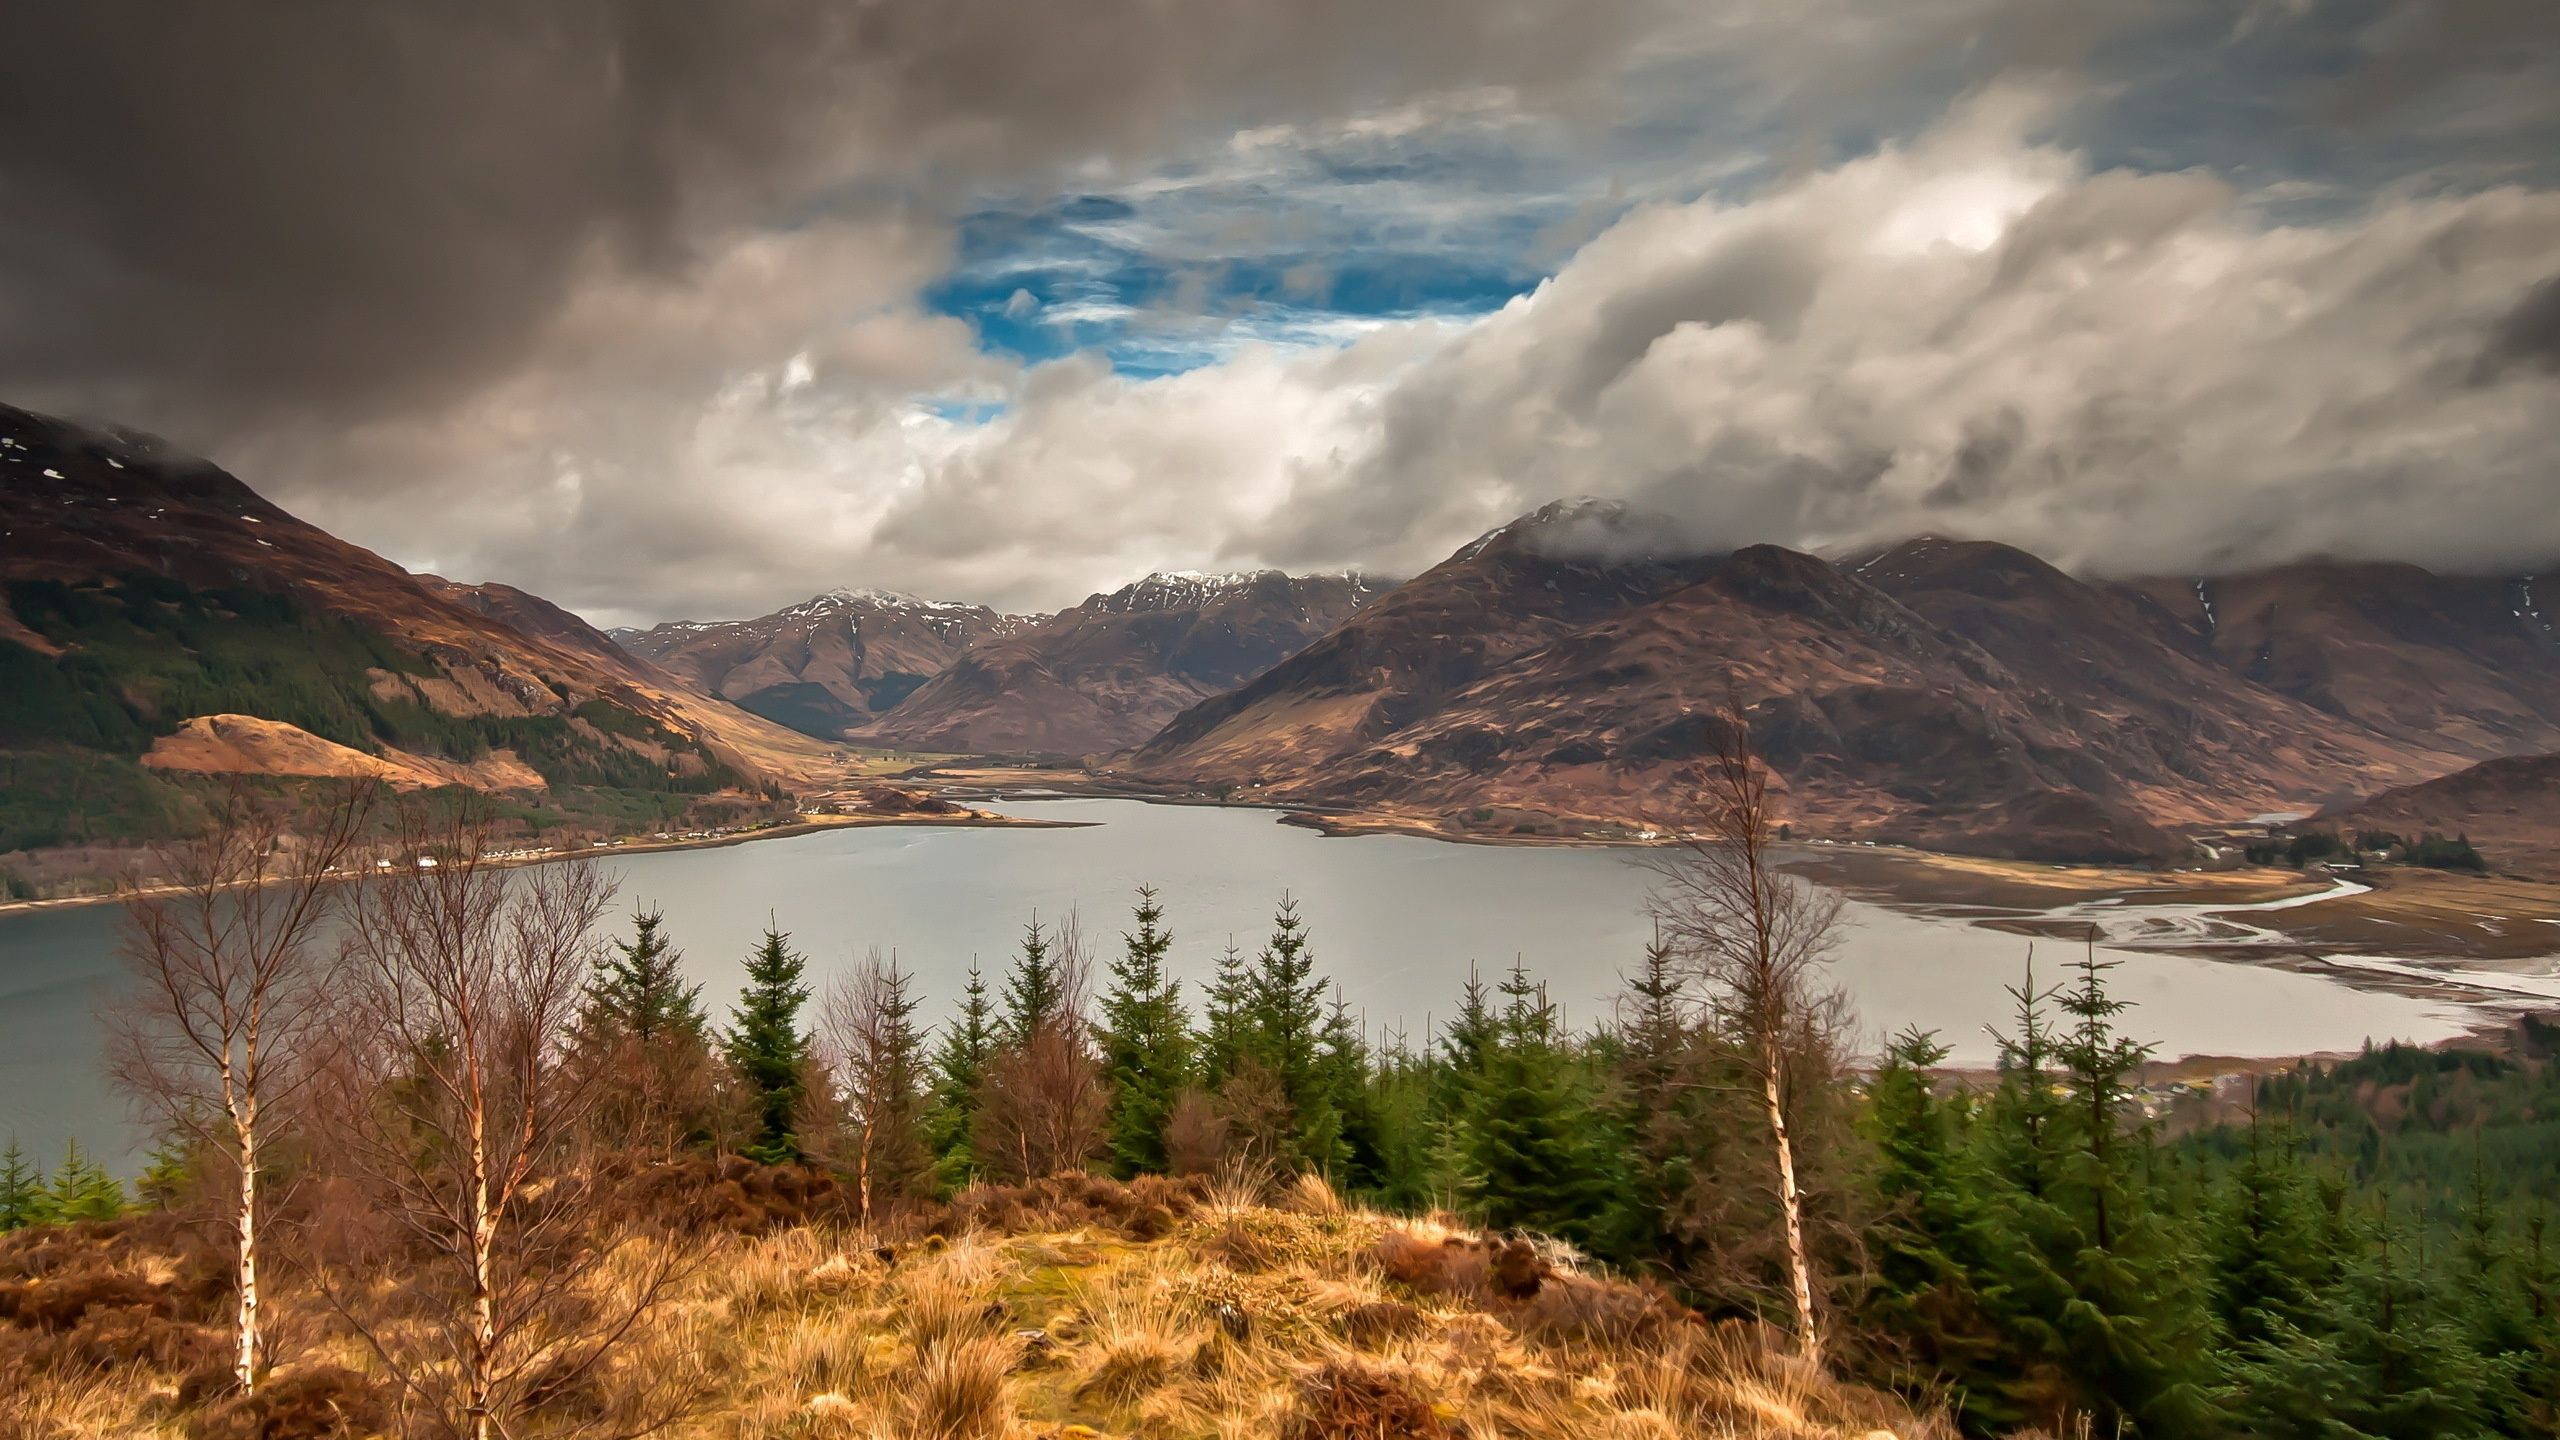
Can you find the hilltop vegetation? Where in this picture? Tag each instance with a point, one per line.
(811, 1215)
(1157, 1308)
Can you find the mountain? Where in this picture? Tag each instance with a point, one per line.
(2508, 807)
(827, 665)
(2455, 666)
(1558, 673)
(2175, 726)
(1107, 673)
(158, 617)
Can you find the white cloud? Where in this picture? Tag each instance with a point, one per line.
(1972, 332)
(1975, 333)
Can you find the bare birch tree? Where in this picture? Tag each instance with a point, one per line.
(1043, 1106)
(1756, 937)
(872, 1051)
(213, 1036)
(460, 1113)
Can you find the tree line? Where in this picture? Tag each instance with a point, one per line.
(473, 1063)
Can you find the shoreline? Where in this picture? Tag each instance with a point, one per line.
(1995, 895)
(2013, 896)
(972, 820)
(2031, 898)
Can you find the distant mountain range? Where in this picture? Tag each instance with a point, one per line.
(1108, 673)
(1558, 673)
(827, 664)
(888, 669)
(157, 618)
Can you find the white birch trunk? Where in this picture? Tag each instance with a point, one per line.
(245, 1362)
(484, 1309)
(1791, 1200)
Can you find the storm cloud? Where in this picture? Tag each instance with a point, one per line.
(643, 305)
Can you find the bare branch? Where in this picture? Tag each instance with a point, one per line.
(1756, 938)
(219, 1028)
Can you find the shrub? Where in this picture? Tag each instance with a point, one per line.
(2437, 853)
(1349, 1399)
(323, 1402)
(963, 1390)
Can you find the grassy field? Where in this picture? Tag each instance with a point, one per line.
(1070, 1308)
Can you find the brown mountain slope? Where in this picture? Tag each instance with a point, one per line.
(1109, 672)
(147, 588)
(2443, 665)
(247, 745)
(753, 741)
(828, 664)
(2157, 705)
(1501, 597)
(1877, 724)
(2509, 807)
(1963, 696)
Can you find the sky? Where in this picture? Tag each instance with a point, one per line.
(667, 310)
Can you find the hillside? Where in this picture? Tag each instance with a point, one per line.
(2509, 808)
(1072, 1307)
(826, 665)
(2460, 666)
(1554, 676)
(146, 595)
(1109, 672)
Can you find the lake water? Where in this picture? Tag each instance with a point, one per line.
(1396, 921)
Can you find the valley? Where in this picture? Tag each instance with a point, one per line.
(1399, 921)
(1569, 721)
(1946, 722)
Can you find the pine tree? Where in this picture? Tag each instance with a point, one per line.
(2090, 1283)
(644, 1028)
(1227, 1031)
(2380, 1358)
(169, 1171)
(81, 1189)
(1933, 1245)
(638, 989)
(1355, 1153)
(1651, 1108)
(959, 1072)
(768, 1049)
(1530, 1161)
(2100, 1063)
(1034, 992)
(1467, 1045)
(2532, 1379)
(23, 1201)
(1146, 1042)
(2269, 1262)
(2024, 1107)
(1286, 1026)
(1407, 1127)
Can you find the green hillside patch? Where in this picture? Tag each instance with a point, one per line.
(61, 796)
(145, 653)
(141, 654)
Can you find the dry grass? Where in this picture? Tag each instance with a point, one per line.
(962, 1390)
(1307, 1319)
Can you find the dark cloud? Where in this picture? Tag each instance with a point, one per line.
(2529, 336)
(215, 215)
(634, 302)
(2445, 58)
